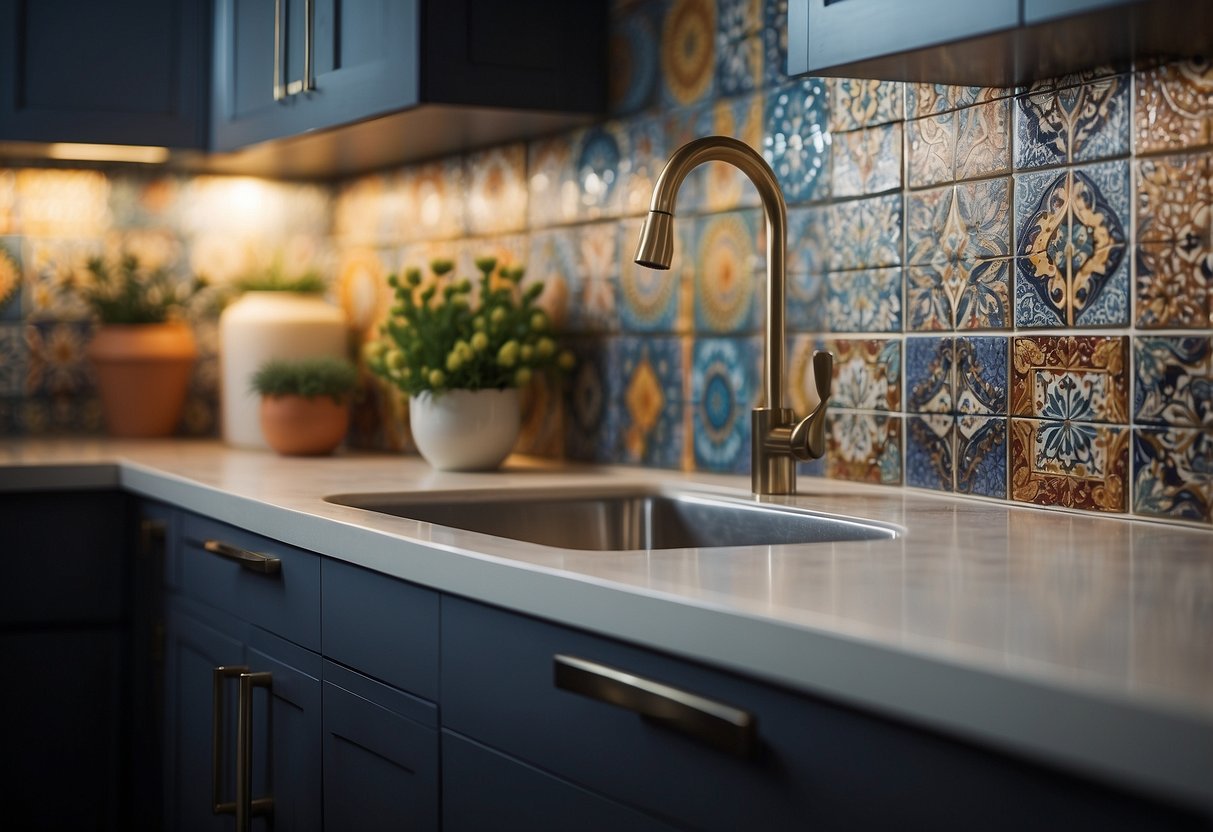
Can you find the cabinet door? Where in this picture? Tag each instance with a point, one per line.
(285, 725)
(116, 73)
(357, 59)
(829, 33)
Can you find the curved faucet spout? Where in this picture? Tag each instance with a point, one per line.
(776, 444)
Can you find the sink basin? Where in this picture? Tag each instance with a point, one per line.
(620, 519)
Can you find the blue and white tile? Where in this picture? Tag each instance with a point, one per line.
(1076, 124)
(981, 455)
(725, 186)
(739, 65)
(930, 447)
(982, 379)
(723, 388)
(593, 297)
(646, 140)
(867, 373)
(797, 142)
(983, 140)
(1173, 380)
(867, 161)
(867, 300)
(865, 233)
(775, 42)
(930, 377)
(598, 156)
(930, 150)
(860, 102)
(808, 239)
(1173, 473)
(805, 303)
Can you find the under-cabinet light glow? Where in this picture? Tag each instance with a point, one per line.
(108, 153)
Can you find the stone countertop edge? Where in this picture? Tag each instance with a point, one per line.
(1040, 712)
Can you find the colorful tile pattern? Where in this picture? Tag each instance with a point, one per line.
(1175, 241)
(867, 161)
(726, 272)
(723, 389)
(797, 144)
(1173, 381)
(1173, 109)
(858, 102)
(1173, 473)
(865, 447)
(633, 56)
(1078, 124)
(726, 187)
(651, 379)
(497, 190)
(1084, 378)
(868, 300)
(1069, 464)
(959, 144)
(865, 233)
(688, 52)
(867, 374)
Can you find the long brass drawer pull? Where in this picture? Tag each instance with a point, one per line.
(257, 562)
(721, 726)
(218, 676)
(246, 807)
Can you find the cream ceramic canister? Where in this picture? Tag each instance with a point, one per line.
(261, 326)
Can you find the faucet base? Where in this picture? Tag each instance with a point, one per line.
(771, 472)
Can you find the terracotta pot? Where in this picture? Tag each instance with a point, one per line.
(143, 371)
(301, 426)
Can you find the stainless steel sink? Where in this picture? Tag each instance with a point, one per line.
(620, 519)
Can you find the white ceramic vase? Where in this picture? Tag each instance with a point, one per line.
(465, 430)
(260, 326)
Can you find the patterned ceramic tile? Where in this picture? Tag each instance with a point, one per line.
(805, 303)
(867, 374)
(981, 455)
(14, 359)
(726, 270)
(739, 65)
(1081, 379)
(1069, 464)
(981, 375)
(1173, 473)
(435, 191)
(930, 149)
(724, 381)
(593, 410)
(598, 156)
(552, 187)
(10, 279)
(738, 18)
(775, 42)
(1078, 124)
(868, 300)
(688, 52)
(497, 190)
(1072, 268)
(983, 140)
(553, 260)
(1173, 287)
(1173, 381)
(726, 187)
(50, 268)
(930, 446)
(62, 415)
(1173, 106)
(652, 377)
(647, 142)
(867, 161)
(930, 378)
(57, 362)
(650, 300)
(593, 294)
(1071, 79)
(633, 53)
(930, 99)
(797, 144)
(865, 233)
(858, 102)
(1175, 200)
(957, 244)
(808, 240)
(864, 446)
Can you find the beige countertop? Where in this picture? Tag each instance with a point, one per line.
(1083, 641)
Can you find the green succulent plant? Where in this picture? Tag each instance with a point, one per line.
(307, 377)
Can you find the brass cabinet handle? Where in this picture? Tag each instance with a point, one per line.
(218, 677)
(152, 537)
(721, 726)
(279, 87)
(255, 561)
(309, 45)
(246, 807)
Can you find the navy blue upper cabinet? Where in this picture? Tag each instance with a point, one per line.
(989, 43)
(287, 67)
(131, 72)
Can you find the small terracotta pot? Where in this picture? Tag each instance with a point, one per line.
(301, 426)
(143, 372)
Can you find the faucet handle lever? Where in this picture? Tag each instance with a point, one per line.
(809, 435)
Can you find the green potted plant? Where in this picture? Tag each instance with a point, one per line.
(276, 316)
(143, 353)
(305, 403)
(461, 359)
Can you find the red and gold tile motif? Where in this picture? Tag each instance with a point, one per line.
(1072, 378)
(1173, 106)
(1069, 464)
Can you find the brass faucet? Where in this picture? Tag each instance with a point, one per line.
(778, 440)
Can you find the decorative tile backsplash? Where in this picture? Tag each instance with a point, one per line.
(1015, 283)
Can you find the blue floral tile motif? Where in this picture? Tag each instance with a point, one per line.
(868, 300)
(57, 362)
(726, 272)
(594, 410)
(1173, 473)
(983, 140)
(982, 375)
(859, 102)
(805, 303)
(865, 447)
(723, 385)
(1078, 124)
(797, 144)
(865, 233)
(651, 377)
(738, 18)
(1072, 268)
(808, 240)
(1070, 464)
(929, 375)
(1071, 378)
(867, 374)
(957, 247)
(1174, 381)
(867, 161)
(633, 58)
(739, 65)
(981, 455)
(597, 168)
(929, 451)
(14, 360)
(688, 52)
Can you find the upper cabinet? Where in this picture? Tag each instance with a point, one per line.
(989, 43)
(131, 72)
(285, 68)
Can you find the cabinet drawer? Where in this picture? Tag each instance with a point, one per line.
(812, 762)
(285, 601)
(382, 627)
